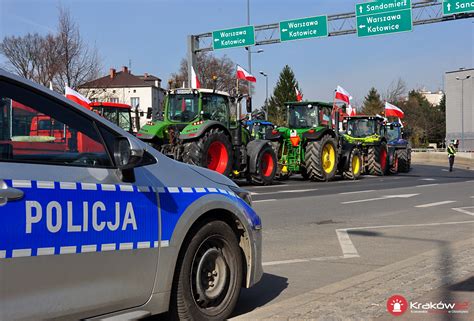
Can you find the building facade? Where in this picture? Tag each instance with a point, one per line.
(142, 92)
(434, 98)
(459, 87)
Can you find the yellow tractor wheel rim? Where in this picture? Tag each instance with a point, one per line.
(329, 158)
(355, 165)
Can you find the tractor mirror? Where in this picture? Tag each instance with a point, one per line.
(249, 104)
(149, 113)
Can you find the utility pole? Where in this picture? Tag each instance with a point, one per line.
(266, 93)
(193, 45)
(249, 53)
(462, 109)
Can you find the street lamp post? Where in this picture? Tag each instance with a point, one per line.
(250, 52)
(266, 93)
(462, 109)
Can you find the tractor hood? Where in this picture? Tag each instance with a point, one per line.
(368, 139)
(153, 129)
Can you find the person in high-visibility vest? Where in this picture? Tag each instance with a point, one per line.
(451, 155)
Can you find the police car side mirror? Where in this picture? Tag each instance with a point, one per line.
(126, 153)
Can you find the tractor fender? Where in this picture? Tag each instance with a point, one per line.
(316, 135)
(269, 134)
(193, 132)
(345, 157)
(253, 149)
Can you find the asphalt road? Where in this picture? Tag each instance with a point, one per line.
(326, 236)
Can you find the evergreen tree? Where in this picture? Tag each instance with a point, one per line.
(284, 92)
(372, 103)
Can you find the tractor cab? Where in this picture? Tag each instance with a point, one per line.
(359, 127)
(119, 114)
(305, 115)
(394, 132)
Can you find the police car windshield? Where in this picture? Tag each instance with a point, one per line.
(182, 107)
(361, 127)
(304, 116)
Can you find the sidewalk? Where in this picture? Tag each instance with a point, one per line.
(364, 297)
(435, 158)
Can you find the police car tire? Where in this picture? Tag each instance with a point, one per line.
(403, 161)
(183, 305)
(258, 178)
(314, 159)
(195, 152)
(373, 159)
(355, 152)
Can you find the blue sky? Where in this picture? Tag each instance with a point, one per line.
(152, 33)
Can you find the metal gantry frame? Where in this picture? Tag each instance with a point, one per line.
(338, 25)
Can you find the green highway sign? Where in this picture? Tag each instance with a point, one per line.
(235, 37)
(383, 17)
(312, 27)
(457, 6)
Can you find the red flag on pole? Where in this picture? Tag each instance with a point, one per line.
(76, 97)
(393, 111)
(299, 95)
(245, 75)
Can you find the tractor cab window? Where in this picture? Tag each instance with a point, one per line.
(325, 116)
(182, 108)
(362, 127)
(215, 107)
(393, 133)
(304, 116)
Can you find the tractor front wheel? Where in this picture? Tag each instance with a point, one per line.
(266, 166)
(355, 165)
(404, 162)
(321, 159)
(213, 151)
(377, 159)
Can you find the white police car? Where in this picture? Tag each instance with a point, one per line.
(95, 224)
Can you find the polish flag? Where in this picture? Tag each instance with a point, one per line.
(393, 111)
(245, 75)
(76, 97)
(351, 111)
(299, 96)
(194, 79)
(343, 95)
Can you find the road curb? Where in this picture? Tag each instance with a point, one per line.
(408, 278)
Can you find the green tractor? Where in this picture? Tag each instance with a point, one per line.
(370, 135)
(200, 127)
(311, 147)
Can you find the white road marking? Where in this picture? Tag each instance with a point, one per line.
(273, 186)
(348, 181)
(356, 192)
(426, 185)
(269, 200)
(312, 259)
(445, 170)
(287, 191)
(380, 198)
(435, 204)
(348, 248)
(464, 210)
(427, 179)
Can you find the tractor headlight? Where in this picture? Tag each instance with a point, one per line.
(243, 194)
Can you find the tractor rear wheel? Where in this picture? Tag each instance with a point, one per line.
(355, 165)
(377, 159)
(213, 151)
(404, 162)
(266, 166)
(321, 159)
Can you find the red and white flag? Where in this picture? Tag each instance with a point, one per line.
(393, 111)
(245, 75)
(194, 79)
(76, 97)
(343, 95)
(299, 95)
(351, 111)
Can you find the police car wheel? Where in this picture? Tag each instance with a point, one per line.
(209, 275)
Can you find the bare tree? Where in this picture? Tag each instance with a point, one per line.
(395, 91)
(209, 66)
(79, 62)
(61, 58)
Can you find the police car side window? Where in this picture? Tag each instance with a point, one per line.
(35, 129)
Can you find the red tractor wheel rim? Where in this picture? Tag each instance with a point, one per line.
(383, 158)
(217, 157)
(267, 164)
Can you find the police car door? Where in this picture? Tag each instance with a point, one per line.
(75, 240)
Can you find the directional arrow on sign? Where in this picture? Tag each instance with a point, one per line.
(284, 30)
(449, 6)
(381, 198)
(362, 26)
